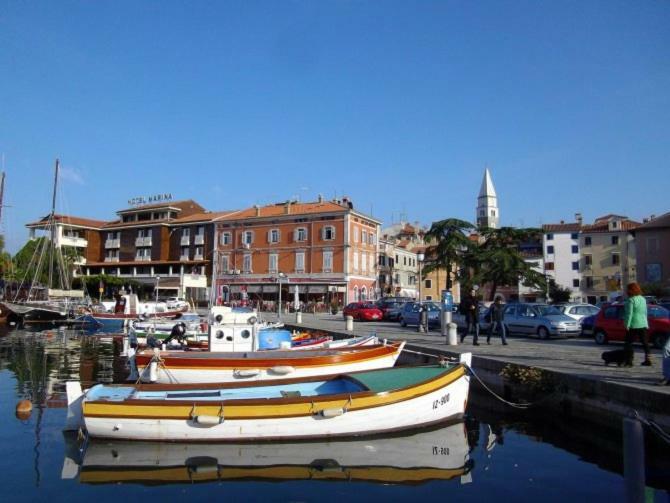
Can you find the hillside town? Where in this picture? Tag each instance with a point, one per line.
(328, 251)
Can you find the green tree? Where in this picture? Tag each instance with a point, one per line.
(557, 293)
(498, 260)
(448, 243)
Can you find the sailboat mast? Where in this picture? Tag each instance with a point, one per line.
(53, 226)
(2, 193)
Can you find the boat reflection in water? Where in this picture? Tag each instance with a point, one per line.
(437, 454)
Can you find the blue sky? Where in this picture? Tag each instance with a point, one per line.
(399, 105)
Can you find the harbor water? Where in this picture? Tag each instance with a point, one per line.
(497, 452)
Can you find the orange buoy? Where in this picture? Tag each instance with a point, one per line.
(23, 409)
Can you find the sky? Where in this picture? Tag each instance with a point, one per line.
(398, 105)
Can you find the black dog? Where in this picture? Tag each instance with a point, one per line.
(618, 356)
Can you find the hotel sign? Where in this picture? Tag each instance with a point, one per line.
(156, 198)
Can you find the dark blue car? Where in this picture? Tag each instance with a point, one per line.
(410, 314)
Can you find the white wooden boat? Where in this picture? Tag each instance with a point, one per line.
(361, 403)
(220, 367)
(441, 453)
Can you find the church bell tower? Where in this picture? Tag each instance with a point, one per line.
(487, 203)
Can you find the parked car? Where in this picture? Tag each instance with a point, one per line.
(176, 303)
(578, 311)
(461, 323)
(362, 311)
(587, 323)
(391, 307)
(609, 324)
(410, 314)
(541, 319)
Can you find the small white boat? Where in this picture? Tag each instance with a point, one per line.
(351, 404)
(441, 453)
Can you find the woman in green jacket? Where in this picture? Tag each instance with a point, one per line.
(635, 322)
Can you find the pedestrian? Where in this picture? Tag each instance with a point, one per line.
(470, 307)
(635, 323)
(497, 315)
(666, 364)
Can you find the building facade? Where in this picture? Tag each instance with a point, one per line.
(561, 256)
(318, 253)
(652, 244)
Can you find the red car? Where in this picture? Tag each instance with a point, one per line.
(608, 325)
(363, 311)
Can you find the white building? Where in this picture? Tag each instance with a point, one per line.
(560, 243)
(487, 204)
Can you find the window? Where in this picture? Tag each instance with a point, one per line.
(575, 283)
(372, 263)
(589, 282)
(588, 260)
(300, 234)
(587, 241)
(364, 237)
(355, 259)
(198, 252)
(224, 238)
(247, 237)
(371, 238)
(364, 293)
(186, 232)
(272, 264)
(404, 261)
(550, 250)
(575, 249)
(615, 240)
(144, 233)
(300, 261)
(224, 262)
(143, 254)
(429, 297)
(428, 283)
(183, 254)
(113, 235)
(355, 234)
(327, 261)
(575, 265)
(246, 263)
(328, 233)
(273, 236)
(550, 237)
(356, 293)
(616, 259)
(364, 262)
(200, 231)
(549, 266)
(574, 235)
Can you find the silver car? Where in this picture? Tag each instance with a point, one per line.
(578, 311)
(540, 319)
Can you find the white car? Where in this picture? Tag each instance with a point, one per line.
(578, 311)
(176, 303)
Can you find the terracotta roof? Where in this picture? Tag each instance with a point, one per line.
(657, 223)
(570, 227)
(182, 205)
(206, 216)
(603, 226)
(604, 218)
(279, 210)
(69, 220)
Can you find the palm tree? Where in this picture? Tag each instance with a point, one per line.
(499, 260)
(448, 243)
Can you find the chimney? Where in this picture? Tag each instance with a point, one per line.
(578, 217)
(562, 222)
(645, 220)
(258, 210)
(320, 198)
(651, 217)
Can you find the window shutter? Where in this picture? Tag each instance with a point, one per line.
(323, 233)
(295, 235)
(270, 236)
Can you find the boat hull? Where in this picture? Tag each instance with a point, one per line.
(270, 365)
(431, 402)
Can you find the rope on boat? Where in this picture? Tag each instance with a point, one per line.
(495, 395)
(652, 426)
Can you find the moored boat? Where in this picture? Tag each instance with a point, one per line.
(347, 404)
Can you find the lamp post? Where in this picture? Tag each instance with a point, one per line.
(420, 256)
(280, 276)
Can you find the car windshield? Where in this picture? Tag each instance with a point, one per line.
(368, 306)
(657, 312)
(431, 306)
(547, 310)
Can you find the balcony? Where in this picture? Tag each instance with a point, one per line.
(113, 243)
(199, 239)
(185, 240)
(73, 241)
(142, 258)
(79, 260)
(198, 256)
(184, 258)
(143, 241)
(111, 259)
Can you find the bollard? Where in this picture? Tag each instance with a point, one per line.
(350, 323)
(298, 317)
(452, 338)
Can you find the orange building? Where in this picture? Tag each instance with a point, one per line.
(323, 250)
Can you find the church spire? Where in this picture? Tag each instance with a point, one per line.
(487, 203)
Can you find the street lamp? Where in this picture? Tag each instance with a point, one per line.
(420, 256)
(280, 276)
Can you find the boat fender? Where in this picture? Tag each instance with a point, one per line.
(218, 318)
(252, 320)
(153, 371)
(328, 413)
(205, 420)
(246, 372)
(282, 369)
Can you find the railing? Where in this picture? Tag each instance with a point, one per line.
(143, 241)
(183, 257)
(185, 240)
(198, 256)
(111, 259)
(142, 258)
(113, 243)
(73, 241)
(199, 239)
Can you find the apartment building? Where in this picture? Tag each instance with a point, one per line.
(314, 252)
(608, 257)
(398, 269)
(561, 256)
(652, 242)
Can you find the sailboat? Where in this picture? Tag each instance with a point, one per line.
(50, 302)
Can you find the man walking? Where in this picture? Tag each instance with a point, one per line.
(497, 314)
(470, 307)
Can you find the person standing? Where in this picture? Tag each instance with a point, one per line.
(635, 322)
(470, 307)
(497, 316)
(666, 364)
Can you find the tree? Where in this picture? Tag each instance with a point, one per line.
(449, 242)
(557, 293)
(658, 290)
(498, 261)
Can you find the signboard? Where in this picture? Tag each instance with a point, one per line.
(156, 198)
